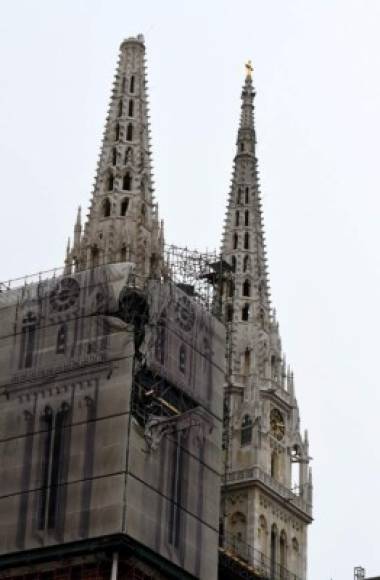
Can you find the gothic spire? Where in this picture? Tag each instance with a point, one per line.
(122, 223)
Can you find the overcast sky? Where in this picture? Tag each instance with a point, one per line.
(317, 76)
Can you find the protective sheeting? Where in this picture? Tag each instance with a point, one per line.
(74, 463)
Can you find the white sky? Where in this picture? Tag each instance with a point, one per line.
(318, 124)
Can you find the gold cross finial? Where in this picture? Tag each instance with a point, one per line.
(249, 69)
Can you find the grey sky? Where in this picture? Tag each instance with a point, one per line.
(318, 124)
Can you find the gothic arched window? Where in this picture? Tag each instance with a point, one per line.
(182, 359)
(246, 241)
(245, 313)
(120, 109)
(233, 264)
(229, 313)
(237, 218)
(130, 108)
(247, 195)
(28, 339)
(231, 288)
(117, 132)
(239, 193)
(130, 132)
(246, 218)
(273, 551)
(123, 81)
(132, 84)
(128, 156)
(106, 207)
(110, 182)
(246, 288)
(235, 241)
(283, 554)
(127, 181)
(245, 263)
(123, 254)
(246, 431)
(114, 156)
(124, 206)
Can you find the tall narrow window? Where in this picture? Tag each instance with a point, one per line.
(123, 254)
(233, 264)
(124, 206)
(182, 359)
(114, 156)
(246, 431)
(127, 181)
(130, 132)
(28, 339)
(110, 182)
(246, 241)
(238, 198)
(58, 457)
(177, 491)
(130, 108)
(246, 218)
(46, 425)
(123, 81)
(237, 218)
(117, 132)
(132, 84)
(61, 339)
(246, 288)
(94, 257)
(283, 550)
(235, 241)
(120, 109)
(245, 313)
(143, 213)
(245, 263)
(274, 460)
(229, 313)
(106, 207)
(247, 195)
(231, 288)
(273, 551)
(247, 362)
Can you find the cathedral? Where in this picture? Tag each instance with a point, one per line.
(149, 426)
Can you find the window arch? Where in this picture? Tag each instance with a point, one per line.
(246, 288)
(120, 108)
(28, 339)
(117, 132)
(114, 156)
(233, 264)
(231, 288)
(245, 263)
(130, 132)
(246, 241)
(247, 195)
(106, 207)
(246, 218)
(273, 550)
(283, 555)
(182, 359)
(229, 313)
(132, 84)
(235, 241)
(124, 206)
(127, 181)
(237, 217)
(130, 107)
(246, 431)
(110, 181)
(245, 313)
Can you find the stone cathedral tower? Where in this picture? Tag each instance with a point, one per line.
(122, 224)
(267, 491)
